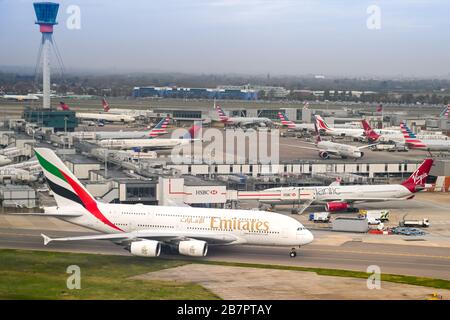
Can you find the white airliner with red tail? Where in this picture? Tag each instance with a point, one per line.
(342, 132)
(340, 197)
(100, 116)
(379, 135)
(330, 148)
(144, 229)
(129, 112)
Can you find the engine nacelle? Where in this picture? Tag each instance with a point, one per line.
(324, 155)
(193, 248)
(145, 248)
(336, 206)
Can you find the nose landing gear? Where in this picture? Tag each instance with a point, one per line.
(293, 253)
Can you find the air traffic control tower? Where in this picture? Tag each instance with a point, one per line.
(45, 116)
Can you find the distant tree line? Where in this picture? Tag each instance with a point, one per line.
(433, 91)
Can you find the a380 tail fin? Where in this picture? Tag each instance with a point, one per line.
(68, 191)
(416, 181)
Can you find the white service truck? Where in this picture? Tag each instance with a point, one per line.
(424, 223)
(319, 217)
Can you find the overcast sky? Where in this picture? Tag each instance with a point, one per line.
(293, 37)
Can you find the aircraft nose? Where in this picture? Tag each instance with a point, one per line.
(308, 237)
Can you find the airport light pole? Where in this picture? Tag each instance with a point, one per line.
(106, 162)
(65, 131)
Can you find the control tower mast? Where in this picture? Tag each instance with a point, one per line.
(46, 13)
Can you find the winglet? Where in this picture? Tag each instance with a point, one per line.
(46, 239)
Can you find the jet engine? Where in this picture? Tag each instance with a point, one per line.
(336, 206)
(145, 248)
(193, 248)
(324, 155)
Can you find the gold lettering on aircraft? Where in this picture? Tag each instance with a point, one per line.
(196, 220)
(239, 224)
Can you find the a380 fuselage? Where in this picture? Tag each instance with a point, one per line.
(249, 227)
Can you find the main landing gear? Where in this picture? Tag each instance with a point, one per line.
(293, 253)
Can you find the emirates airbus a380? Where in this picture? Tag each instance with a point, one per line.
(144, 229)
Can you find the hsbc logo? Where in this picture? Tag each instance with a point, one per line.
(205, 192)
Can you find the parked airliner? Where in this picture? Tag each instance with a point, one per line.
(295, 126)
(150, 144)
(342, 132)
(327, 148)
(339, 197)
(241, 121)
(157, 130)
(128, 112)
(144, 229)
(414, 142)
(18, 97)
(378, 135)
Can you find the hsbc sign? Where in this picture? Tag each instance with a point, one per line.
(205, 194)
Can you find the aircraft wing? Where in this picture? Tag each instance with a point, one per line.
(368, 145)
(43, 214)
(246, 123)
(163, 236)
(332, 152)
(302, 147)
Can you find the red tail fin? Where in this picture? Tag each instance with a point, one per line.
(371, 135)
(105, 105)
(417, 180)
(321, 124)
(64, 106)
(195, 131)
